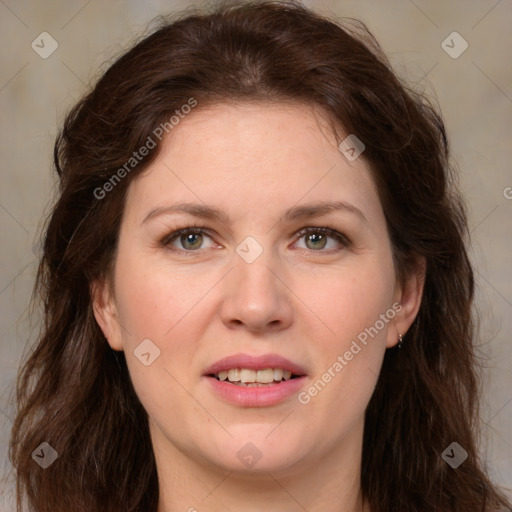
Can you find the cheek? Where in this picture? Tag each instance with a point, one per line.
(356, 305)
(165, 305)
(153, 299)
(154, 305)
(353, 298)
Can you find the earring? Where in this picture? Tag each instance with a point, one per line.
(400, 341)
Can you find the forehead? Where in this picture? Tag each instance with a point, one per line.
(246, 156)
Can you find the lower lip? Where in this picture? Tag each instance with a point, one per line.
(256, 396)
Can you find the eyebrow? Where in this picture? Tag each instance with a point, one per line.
(298, 212)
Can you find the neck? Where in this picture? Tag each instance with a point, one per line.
(329, 483)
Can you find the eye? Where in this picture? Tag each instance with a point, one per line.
(190, 239)
(316, 239)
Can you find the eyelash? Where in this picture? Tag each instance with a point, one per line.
(199, 230)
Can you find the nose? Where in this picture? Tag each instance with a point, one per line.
(255, 296)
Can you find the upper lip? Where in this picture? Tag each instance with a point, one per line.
(253, 362)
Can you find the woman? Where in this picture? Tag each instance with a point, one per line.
(256, 286)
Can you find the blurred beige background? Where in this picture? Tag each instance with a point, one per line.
(473, 87)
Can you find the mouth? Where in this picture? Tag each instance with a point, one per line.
(255, 381)
(247, 377)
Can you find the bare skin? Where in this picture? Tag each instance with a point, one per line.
(306, 297)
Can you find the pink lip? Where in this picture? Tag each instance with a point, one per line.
(263, 396)
(254, 363)
(257, 396)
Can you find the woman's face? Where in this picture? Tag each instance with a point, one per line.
(254, 291)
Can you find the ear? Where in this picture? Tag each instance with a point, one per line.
(104, 308)
(408, 295)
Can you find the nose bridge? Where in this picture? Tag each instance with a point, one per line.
(254, 294)
(252, 270)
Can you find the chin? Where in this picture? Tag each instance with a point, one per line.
(252, 453)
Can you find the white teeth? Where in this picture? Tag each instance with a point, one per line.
(248, 376)
(278, 374)
(234, 375)
(265, 376)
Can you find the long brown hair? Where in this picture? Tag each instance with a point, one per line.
(74, 391)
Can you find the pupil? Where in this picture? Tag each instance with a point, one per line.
(315, 238)
(189, 239)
